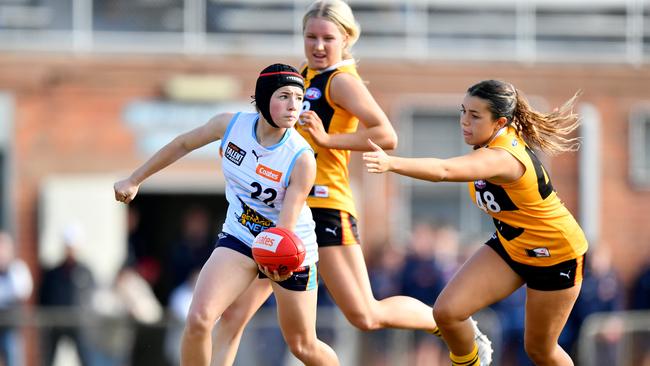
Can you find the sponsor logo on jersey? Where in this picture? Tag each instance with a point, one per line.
(267, 241)
(480, 184)
(320, 191)
(313, 93)
(234, 153)
(253, 220)
(538, 252)
(268, 173)
(514, 142)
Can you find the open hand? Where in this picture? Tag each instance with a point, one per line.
(377, 161)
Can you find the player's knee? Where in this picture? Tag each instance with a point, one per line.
(444, 313)
(300, 346)
(537, 352)
(199, 322)
(233, 320)
(363, 320)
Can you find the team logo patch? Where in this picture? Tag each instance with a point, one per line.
(253, 220)
(480, 184)
(267, 241)
(313, 93)
(234, 153)
(268, 173)
(538, 252)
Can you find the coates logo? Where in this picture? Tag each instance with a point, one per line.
(480, 184)
(267, 241)
(268, 173)
(313, 93)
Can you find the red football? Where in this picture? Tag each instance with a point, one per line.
(278, 249)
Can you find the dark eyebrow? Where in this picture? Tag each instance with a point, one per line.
(469, 110)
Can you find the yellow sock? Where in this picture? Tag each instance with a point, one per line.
(467, 360)
(435, 332)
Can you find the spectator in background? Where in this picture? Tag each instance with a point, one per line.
(602, 291)
(512, 314)
(194, 247)
(640, 300)
(430, 262)
(385, 267)
(15, 287)
(70, 285)
(179, 305)
(139, 252)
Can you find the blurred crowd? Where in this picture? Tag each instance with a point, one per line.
(421, 268)
(151, 294)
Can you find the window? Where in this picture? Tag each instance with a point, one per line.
(138, 15)
(436, 133)
(640, 147)
(6, 127)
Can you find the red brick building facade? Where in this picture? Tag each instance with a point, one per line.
(69, 113)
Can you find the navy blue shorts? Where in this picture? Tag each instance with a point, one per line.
(556, 277)
(303, 280)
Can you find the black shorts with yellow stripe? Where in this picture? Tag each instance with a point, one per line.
(335, 227)
(303, 279)
(556, 277)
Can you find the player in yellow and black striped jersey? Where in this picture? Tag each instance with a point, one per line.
(336, 101)
(537, 240)
(332, 187)
(534, 226)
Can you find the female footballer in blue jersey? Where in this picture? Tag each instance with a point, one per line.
(269, 170)
(336, 102)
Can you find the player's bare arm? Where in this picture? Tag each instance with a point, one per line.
(350, 94)
(302, 178)
(491, 164)
(127, 189)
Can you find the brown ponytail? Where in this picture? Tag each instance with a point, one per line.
(547, 132)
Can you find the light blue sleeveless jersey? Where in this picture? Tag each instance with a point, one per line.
(256, 181)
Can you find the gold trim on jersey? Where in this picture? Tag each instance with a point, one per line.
(532, 222)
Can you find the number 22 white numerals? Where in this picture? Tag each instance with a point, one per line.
(489, 204)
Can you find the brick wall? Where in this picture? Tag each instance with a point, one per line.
(69, 110)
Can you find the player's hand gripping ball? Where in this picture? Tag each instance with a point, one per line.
(278, 249)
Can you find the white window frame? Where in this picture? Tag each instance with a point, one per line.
(469, 221)
(7, 108)
(639, 126)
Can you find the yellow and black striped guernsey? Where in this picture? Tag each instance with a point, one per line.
(332, 186)
(532, 223)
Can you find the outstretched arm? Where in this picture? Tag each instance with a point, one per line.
(127, 189)
(483, 163)
(349, 93)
